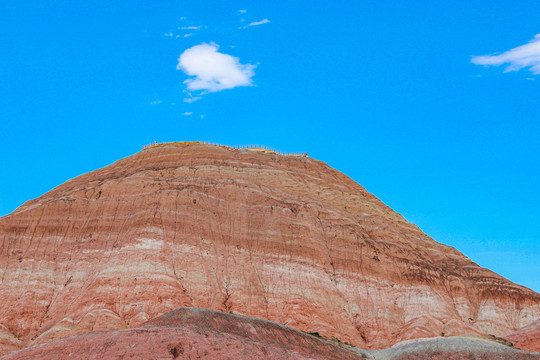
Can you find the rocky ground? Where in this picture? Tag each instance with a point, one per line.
(453, 348)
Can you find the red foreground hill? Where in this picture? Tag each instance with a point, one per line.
(282, 238)
(191, 333)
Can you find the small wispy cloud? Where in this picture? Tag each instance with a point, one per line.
(192, 99)
(178, 34)
(255, 23)
(520, 57)
(155, 102)
(242, 11)
(213, 71)
(170, 34)
(189, 97)
(188, 113)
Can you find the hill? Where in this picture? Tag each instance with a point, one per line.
(282, 238)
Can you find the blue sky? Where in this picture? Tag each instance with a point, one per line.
(387, 92)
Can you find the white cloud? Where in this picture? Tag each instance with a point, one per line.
(264, 21)
(193, 28)
(192, 99)
(188, 113)
(255, 23)
(242, 11)
(155, 102)
(527, 55)
(213, 71)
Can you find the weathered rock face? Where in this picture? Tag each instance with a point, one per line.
(189, 333)
(287, 239)
(527, 338)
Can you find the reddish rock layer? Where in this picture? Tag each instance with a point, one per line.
(527, 338)
(190, 333)
(287, 239)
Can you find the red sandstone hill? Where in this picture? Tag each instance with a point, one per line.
(190, 333)
(287, 239)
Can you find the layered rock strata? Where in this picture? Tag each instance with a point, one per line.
(287, 239)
